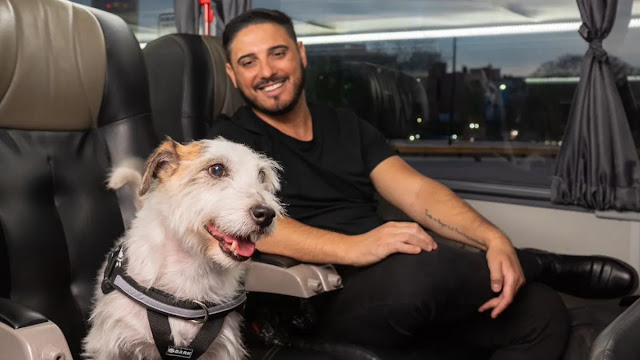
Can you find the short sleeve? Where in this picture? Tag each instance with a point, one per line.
(373, 144)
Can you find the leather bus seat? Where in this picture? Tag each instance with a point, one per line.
(73, 102)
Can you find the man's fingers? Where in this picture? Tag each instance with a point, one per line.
(498, 304)
(410, 234)
(511, 283)
(415, 235)
(489, 304)
(497, 278)
(508, 292)
(502, 305)
(506, 277)
(407, 248)
(425, 242)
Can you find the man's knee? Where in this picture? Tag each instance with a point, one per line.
(390, 302)
(543, 317)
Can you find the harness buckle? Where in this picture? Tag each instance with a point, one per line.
(113, 262)
(206, 312)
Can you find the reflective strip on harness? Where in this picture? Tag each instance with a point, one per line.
(168, 309)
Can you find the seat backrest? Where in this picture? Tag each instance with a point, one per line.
(189, 87)
(73, 101)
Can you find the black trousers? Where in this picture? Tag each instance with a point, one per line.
(429, 302)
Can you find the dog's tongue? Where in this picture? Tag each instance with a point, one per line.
(244, 247)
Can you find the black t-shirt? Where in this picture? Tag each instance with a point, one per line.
(325, 182)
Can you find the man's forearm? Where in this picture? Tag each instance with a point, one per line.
(442, 211)
(305, 243)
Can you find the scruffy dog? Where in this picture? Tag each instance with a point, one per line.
(202, 208)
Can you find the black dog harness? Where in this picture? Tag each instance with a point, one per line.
(160, 306)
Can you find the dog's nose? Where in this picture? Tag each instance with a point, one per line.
(262, 215)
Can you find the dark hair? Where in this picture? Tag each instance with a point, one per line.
(253, 17)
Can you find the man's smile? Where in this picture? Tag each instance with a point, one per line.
(272, 87)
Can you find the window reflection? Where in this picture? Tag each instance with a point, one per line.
(498, 101)
(499, 92)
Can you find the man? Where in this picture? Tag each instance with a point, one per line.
(400, 286)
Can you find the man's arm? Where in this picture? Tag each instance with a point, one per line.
(304, 243)
(436, 207)
(310, 244)
(432, 204)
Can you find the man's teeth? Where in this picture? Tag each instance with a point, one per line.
(272, 87)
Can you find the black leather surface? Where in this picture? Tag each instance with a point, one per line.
(126, 92)
(57, 219)
(181, 86)
(277, 260)
(619, 340)
(587, 322)
(18, 316)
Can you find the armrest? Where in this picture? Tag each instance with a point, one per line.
(619, 340)
(27, 335)
(18, 316)
(277, 260)
(281, 275)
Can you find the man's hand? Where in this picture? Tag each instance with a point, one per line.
(387, 239)
(506, 276)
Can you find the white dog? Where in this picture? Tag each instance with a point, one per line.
(202, 208)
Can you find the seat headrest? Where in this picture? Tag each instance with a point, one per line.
(226, 98)
(189, 86)
(52, 72)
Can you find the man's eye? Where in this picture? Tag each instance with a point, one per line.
(217, 170)
(247, 63)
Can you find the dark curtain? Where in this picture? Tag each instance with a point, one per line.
(227, 10)
(597, 167)
(187, 16)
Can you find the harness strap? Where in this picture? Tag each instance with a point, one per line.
(115, 278)
(161, 331)
(160, 306)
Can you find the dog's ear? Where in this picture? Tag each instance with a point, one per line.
(163, 162)
(272, 178)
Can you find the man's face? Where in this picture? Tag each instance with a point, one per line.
(268, 68)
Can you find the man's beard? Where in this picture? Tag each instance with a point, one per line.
(284, 109)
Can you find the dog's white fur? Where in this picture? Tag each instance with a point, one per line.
(168, 248)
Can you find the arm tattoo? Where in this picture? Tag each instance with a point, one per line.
(449, 227)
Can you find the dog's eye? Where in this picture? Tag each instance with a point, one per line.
(262, 176)
(217, 170)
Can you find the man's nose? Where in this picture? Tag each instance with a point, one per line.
(266, 70)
